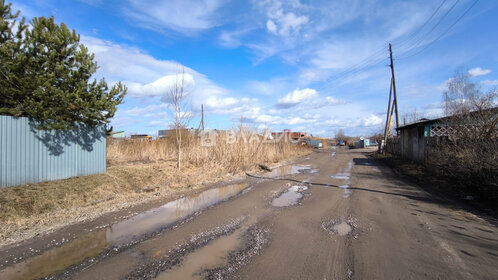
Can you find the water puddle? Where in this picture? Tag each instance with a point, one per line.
(289, 197)
(92, 244)
(156, 219)
(332, 154)
(345, 175)
(347, 191)
(214, 254)
(341, 176)
(292, 170)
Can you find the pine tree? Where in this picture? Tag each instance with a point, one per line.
(47, 76)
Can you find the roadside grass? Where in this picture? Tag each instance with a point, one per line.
(137, 171)
(483, 198)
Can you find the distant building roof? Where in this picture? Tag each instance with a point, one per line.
(425, 121)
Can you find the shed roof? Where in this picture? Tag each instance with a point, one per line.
(431, 121)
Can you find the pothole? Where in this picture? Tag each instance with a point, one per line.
(292, 170)
(289, 197)
(341, 227)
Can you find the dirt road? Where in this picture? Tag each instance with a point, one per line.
(336, 214)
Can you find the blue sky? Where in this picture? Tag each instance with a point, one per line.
(315, 66)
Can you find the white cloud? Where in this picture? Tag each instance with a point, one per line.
(296, 97)
(278, 120)
(270, 25)
(282, 17)
(478, 71)
(121, 62)
(145, 75)
(285, 23)
(373, 120)
(160, 87)
(177, 15)
(329, 100)
(237, 107)
(149, 80)
(140, 111)
(490, 82)
(155, 123)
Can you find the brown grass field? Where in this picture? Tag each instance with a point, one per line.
(137, 171)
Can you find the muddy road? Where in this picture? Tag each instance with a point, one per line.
(336, 214)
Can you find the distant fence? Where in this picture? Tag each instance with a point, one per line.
(28, 155)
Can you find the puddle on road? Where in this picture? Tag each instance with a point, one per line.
(347, 191)
(92, 244)
(156, 219)
(292, 170)
(289, 197)
(341, 176)
(346, 175)
(58, 258)
(332, 154)
(214, 254)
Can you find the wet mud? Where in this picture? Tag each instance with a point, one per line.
(151, 268)
(106, 241)
(255, 240)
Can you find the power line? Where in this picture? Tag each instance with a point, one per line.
(353, 71)
(373, 59)
(444, 32)
(413, 35)
(417, 43)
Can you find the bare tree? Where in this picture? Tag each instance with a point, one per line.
(463, 96)
(339, 135)
(178, 94)
(467, 152)
(411, 117)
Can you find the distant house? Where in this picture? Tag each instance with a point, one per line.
(413, 140)
(118, 135)
(165, 133)
(140, 137)
(288, 133)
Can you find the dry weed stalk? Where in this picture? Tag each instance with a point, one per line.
(248, 150)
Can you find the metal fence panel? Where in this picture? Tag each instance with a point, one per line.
(28, 155)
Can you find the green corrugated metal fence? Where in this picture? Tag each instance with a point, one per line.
(31, 156)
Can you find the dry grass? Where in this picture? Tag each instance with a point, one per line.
(137, 171)
(230, 157)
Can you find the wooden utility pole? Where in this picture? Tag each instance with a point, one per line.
(388, 114)
(394, 87)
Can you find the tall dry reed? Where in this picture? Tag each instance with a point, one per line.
(230, 155)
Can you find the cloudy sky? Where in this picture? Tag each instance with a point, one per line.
(314, 66)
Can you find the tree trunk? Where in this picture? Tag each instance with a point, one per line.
(179, 148)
